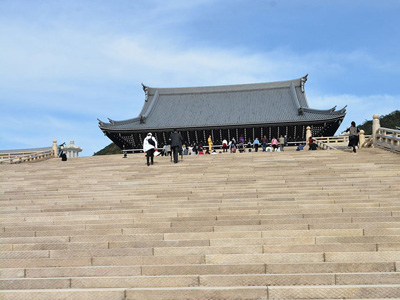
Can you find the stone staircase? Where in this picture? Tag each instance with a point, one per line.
(291, 225)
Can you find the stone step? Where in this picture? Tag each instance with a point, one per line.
(199, 269)
(195, 231)
(335, 292)
(225, 220)
(45, 262)
(381, 256)
(299, 279)
(62, 294)
(315, 292)
(102, 245)
(99, 282)
(356, 239)
(202, 280)
(362, 256)
(59, 246)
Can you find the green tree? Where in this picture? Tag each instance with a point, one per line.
(110, 149)
(391, 120)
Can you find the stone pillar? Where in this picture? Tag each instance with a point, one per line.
(72, 150)
(375, 126)
(54, 148)
(308, 133)
(362, 138)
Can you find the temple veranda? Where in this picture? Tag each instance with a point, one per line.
(291, 225)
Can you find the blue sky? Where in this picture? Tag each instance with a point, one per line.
(63, 64)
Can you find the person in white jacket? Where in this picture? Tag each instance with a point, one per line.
(149, 146)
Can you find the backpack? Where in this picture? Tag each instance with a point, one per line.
(151, 141)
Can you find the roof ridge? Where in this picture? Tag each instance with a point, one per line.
(226, 88)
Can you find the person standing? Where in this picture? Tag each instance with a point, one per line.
(149, 146)
(281, 142)
(232, 145)
(274, 144)
(353, 135)
(210, 143)
(224, 145)
(176, 144)
(63, 156)
(264, 143)
(256, 143)
(310, 142)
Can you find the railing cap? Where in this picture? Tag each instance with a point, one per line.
(389, 129)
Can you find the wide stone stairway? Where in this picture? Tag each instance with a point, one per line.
(291, 225)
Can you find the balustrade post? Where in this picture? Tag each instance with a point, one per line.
(308, 133)
(54, 148)
(362, 138)
(375, 126)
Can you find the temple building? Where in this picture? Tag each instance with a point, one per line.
(251, 110)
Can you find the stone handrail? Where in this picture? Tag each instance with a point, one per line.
(387, 138)
(368, 142)
(20, 157)
(324, 145)
(332, 139)
(337, 139)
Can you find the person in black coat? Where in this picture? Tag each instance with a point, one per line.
(63, 156)
(176, 140)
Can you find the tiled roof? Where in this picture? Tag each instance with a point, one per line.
(262, 103)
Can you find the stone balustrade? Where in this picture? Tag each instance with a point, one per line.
(34, 154)
(19, 157)
(388, 139)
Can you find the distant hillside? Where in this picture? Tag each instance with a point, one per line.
(110, 149)
(391, 120)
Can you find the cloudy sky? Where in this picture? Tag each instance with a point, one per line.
(65, 63)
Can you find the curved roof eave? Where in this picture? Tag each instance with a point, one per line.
(288, 122)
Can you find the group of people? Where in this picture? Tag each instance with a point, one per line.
(150, 145)
(241, 146)
(175, 147)
(354, 139)
(191, 149)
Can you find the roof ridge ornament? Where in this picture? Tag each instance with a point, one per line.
(146, 91)
(302, 82)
